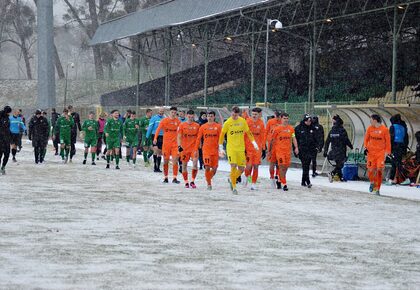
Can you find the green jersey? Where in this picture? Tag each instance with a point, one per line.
(114, 128)
(91, 133)
(63, 126)
(144, 125)
(131, 128)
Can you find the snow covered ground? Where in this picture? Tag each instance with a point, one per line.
(83, 227)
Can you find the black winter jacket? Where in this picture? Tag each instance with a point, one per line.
(319, 133)
(4, 128)
(339, 141)
(77, 125)
(306, 139)
(39, 130)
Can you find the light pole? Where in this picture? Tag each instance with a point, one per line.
(65, 84)
(277, 25)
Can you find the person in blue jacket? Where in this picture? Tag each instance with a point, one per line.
(399, 144)
(16, 128)
(151, 132)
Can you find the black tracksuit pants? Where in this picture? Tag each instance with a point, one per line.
(398, 151)
(339, 164)
(4, 153)
(306, 162)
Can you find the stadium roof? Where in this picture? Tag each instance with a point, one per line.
(171, 13)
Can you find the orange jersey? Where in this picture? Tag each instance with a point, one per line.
(378, 139)
(245, 115)
(170, 131)
(282, 138)
(189, 133)
(257, 129)
(210, 134)
(269, 128)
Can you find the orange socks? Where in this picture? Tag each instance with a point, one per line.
(194, 174)
(271, 173)
(175, 169)
(378, 179)
(254, 176)
(185, 175)
(247, 172)
(166, 169)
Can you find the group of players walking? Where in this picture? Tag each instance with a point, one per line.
(179, 140)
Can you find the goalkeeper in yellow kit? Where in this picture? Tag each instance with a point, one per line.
(235, 128)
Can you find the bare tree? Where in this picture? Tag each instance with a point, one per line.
(89, 29)
(18, 25)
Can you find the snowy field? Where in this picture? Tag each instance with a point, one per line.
(83, 227)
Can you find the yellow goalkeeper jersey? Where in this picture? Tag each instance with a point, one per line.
(235, 130)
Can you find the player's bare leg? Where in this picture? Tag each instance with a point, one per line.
(194, 171)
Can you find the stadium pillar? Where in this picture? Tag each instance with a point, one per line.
(253, 52)
(315, 42)
(394, 56)
(168, 58)
(138, 77)
(46, 72)
(310, 73)
(206, 64)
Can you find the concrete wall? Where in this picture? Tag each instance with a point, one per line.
(23, 93)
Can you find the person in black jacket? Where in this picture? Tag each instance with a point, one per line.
(319, 133)
(399, 143)
(39, 130)
(56, 139)
(4, 138)
(307, 145)
(77, 125)
(339, 141)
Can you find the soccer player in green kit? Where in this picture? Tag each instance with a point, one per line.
(146, 143)
(131, 130)
(63, 126)
(113, 131)
(90, 128)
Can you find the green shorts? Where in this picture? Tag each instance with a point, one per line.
(90, 142)
(65, 139)
(132, 142)
(112, 143)
(146, 142)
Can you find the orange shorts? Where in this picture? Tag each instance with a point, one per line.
(376, 160)
(168, 151)
(187, 156)
(283, 158)
(211, 160)
(253, 158)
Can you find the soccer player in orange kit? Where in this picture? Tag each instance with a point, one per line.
(271, 156)
(378, 146)
(281, 144)
(187, 136)
(209, 133)
(253, 157)
(169, 126)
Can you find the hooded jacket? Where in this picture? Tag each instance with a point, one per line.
(398, 127)
(39, 130)
(306, 139)
(339, 141)
(4, 128)
(319, 132)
